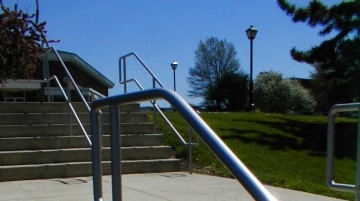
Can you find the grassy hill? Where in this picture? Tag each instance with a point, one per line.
(281, 150)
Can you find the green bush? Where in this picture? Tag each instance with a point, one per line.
(273, 93)
(301, 99)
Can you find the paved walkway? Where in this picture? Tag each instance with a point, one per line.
(174, 186)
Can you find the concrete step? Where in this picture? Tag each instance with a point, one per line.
(63, 129)
(76, 169)
(37, 142)
(25, 157)
(64, 118)
(55, 107)
(63, 142)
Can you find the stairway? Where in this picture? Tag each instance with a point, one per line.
(35, 142)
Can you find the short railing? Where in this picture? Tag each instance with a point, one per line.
(70, 106)
(122, 71)
(68, 74)
(351, 107)
(71, 79)
(224, 154)
(123, 80)
(189, 144)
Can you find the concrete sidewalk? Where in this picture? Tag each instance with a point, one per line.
(174, 186)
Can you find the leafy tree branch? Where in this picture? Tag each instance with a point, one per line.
(23, 39)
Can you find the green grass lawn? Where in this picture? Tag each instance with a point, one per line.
(281, 150)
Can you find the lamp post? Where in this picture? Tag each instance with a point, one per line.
(251, 33)
(174, 66)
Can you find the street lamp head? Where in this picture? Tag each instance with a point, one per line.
(251, 32)
(174, 65)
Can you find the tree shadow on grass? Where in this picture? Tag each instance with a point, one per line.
(297, 135)
(272, 140)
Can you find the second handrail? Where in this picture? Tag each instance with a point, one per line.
(173, 129)
(351, 107)
(68, 75)
(122, 62)
(71, 107)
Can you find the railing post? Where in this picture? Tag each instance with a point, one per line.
(357, 184)
(154, 116)
(154, 109)
(68, 94)
(125, 87)
(116, 169)
(70, 121)
(46, 75)
(96, 154)
(190, 149)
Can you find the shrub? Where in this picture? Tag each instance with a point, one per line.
(272, 93)
(301, 99)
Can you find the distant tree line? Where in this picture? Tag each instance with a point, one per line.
(223, 85)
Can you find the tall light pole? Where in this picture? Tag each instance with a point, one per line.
(174, 66)
(251, 34)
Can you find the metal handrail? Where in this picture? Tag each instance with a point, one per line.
(167, 121)
(122, 60)
(351, 107)
(70, 106)
(124, 81)
(68, 75)
(93, 91)
(224, 154)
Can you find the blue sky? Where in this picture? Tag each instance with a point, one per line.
(161, 31)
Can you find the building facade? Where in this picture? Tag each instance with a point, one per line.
(91, 83)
